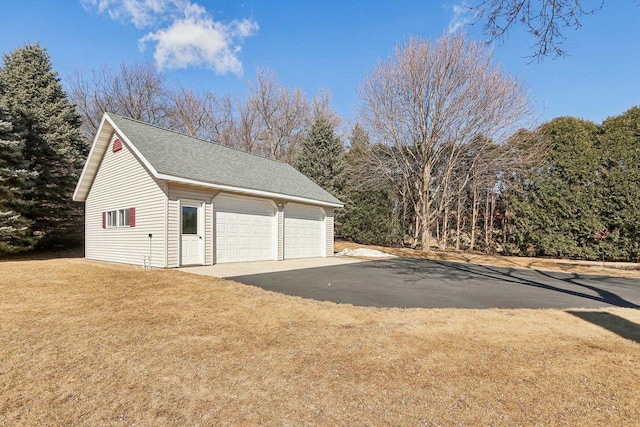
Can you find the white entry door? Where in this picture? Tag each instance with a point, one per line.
(245, 229)
(192, 232)
(303, 231)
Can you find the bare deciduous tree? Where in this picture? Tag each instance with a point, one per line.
(221, 126)
(189, 112)
(426, 104)
(321, 107)
(543, 19)
(137, 91)
(279, 117)
(203, 115)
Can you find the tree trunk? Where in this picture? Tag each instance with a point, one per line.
(504, 227)
(416, 231)
(458, 215)
(445, 204)
(492, 211)
(474, 218)
(445, 227)
(405, 208)
(426, 208)
(486, 222)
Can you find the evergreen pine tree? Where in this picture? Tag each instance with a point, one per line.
(367, 216)
(359, 143)
(15, 230)
(53, 144)
(321, 157)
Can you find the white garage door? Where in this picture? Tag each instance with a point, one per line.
(303, 231)
(245, 229)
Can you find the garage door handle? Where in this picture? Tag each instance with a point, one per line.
(200, 237)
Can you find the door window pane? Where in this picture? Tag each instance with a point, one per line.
(189, 220)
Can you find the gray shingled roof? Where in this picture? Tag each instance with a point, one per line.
(179, 155)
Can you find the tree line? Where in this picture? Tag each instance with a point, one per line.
(583, 201)
(440, 156)
(271, 121)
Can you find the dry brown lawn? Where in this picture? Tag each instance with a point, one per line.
(87, 343)
(619, 269)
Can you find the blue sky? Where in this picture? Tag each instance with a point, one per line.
(312, 45)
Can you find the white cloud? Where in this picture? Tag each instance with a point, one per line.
(184, 33)
(462, 16)
(141, 13)
(202, 42)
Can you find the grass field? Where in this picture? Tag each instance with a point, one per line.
(87, 343)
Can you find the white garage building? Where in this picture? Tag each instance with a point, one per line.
(166, 199)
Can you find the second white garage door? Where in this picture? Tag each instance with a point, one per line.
(245, 229)
(303, 231)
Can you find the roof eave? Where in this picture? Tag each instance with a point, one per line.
(249, 191)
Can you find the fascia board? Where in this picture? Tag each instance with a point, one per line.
(248, 191)
(77, 196)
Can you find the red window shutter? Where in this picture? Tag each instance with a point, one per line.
(104, 220)
(117, 145)
(132, 217)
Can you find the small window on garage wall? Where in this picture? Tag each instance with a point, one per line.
(120, 218)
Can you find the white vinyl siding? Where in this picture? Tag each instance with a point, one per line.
(329, 249)
(245, 228)
(304, 231)
(122, 182)
(178, 192)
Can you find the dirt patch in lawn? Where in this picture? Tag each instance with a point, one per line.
(87, 343)
(617, 269)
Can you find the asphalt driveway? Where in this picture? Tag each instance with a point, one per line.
(407, 282)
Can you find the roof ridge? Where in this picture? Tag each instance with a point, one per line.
(200, 139)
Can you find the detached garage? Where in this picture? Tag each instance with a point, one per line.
(164, 199)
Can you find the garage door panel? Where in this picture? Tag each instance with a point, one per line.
(245, 229)
(303, 231)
